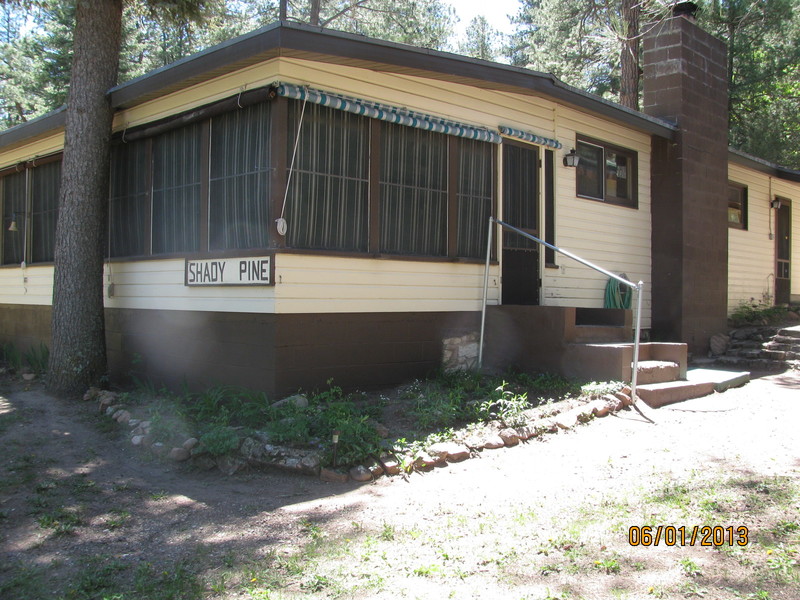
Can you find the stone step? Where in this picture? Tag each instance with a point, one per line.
(785, 339)
(783, 347)
(792, 332)
(657, 371)
(722, 380)
(660, 394)
(751, 364)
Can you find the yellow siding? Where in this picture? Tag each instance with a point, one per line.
(751, 252)
(43, 147)
(613, 237)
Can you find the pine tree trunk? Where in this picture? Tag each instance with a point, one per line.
(78, 355)
(629, 55)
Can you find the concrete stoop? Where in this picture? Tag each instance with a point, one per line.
(698, 383)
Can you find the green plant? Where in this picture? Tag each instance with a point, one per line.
(689, 567)
(595, 389)
(753, 313)
(12, 357)
(61, 521)
(38, 358)
(506, 406)
(608, 565)
(219, 440)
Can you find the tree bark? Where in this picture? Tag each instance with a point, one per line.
(78, 355)
(629, 55)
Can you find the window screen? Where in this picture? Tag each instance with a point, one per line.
(13, 188)
(129, 206)
(474, 196)
(413, 191)
(45, 184)
(240, 176)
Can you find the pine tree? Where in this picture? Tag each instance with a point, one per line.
(482, 41)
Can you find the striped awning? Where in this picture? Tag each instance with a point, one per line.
(383, 112)
(531, 137)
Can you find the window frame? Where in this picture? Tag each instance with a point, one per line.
(633, 178)
(742, 201)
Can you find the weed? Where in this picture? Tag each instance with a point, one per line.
(12, 357)
(119, 519)
(61, 521)
(753, 313)
(783, 562)
(176, 582)
(20, 581)
(689, 567)
(38, 358)
(610, 566)
(387, 532)
(98, 579)
(219, 440)
(595, 389)
(427, 570)
(506, 406)
(690, 589)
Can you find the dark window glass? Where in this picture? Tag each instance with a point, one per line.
(474, 196)
(14, 210)
(327, 205)
(590, 171)
(130, 200)
(45, 183)
(240, 175)
(606, 173)
(413, 191)
(737, 206)
(176, 190)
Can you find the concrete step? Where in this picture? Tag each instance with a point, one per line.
(660, 394)
(657, 371)
(699, 383)
(600, 334)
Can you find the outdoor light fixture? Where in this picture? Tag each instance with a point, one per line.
(13, 226)
(776, 203)
(571, 159)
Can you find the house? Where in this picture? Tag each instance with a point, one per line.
(299, 204)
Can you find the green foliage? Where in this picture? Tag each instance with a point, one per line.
(756, 314)
(595, 389)
(506, 406)
(12, 357)
(37, 358)
(219, 440)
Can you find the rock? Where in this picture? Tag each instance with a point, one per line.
(147, 440)
(380, 429)
(375, 469)
(360, 473)
(525, 432)
(449, 451)
(425, 461)
(145, 425)
(158, 448)
(310, 463)
(567, 420)
(133, 423)
(509, 437)
(136, 440)
(229, 464)
(123, 417)
(298, 400)
(29, 376)
(792, 316)
(600, 407)
(624, 398)
(719, 344)
(179, 454)
(584, 412)
(111, 410)
(547, 424)
(626, 389)
(332, 476)
(493, 442)
(190, 443)
(250, 448)
(91, 394)
(390, 464)
(204, 461)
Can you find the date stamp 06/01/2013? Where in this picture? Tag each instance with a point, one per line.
(706, 535)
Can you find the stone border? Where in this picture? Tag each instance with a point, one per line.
(257, 451)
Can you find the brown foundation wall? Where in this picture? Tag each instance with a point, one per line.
(25, 325)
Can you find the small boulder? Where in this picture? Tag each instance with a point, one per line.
(298, 400)
(136, 440)
(493, 442)
(179, 454)
(91, 394)
(158, 448)
(332, 476)
(509, 436)
(360, 473)
(310, 463)
(449, 451)
(567, 420)
(426, 461)
(229, 464)
(390, 464)
(190, 443)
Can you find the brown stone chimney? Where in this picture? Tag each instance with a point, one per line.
(685, 83)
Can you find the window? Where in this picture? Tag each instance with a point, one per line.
(14, 200)
(474, 196)
(29, 198)
(413, 191)
(176, 190)
(327, 206)
(606, 173)
(240, 174)
(737, 206)
(45, 184)
(130, 199)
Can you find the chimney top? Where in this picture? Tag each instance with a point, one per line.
(685, 9)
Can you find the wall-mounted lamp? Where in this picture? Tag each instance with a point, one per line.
(571, 159)
(775, 203)
(13, 226)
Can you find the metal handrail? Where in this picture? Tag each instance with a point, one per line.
(636, 286)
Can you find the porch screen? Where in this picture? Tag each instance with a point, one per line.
(130, 200)
(239, 179)
(474, 197)
(413, 192)
(45, 184)
(327, 207)
(13, 188)
(176, 191)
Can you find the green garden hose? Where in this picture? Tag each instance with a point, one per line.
(616, 297)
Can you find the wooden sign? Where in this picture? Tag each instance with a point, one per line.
(252, 270)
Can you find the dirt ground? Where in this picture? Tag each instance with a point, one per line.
(440, 533)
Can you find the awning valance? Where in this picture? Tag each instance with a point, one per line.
(384, 112)
(531, 137)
